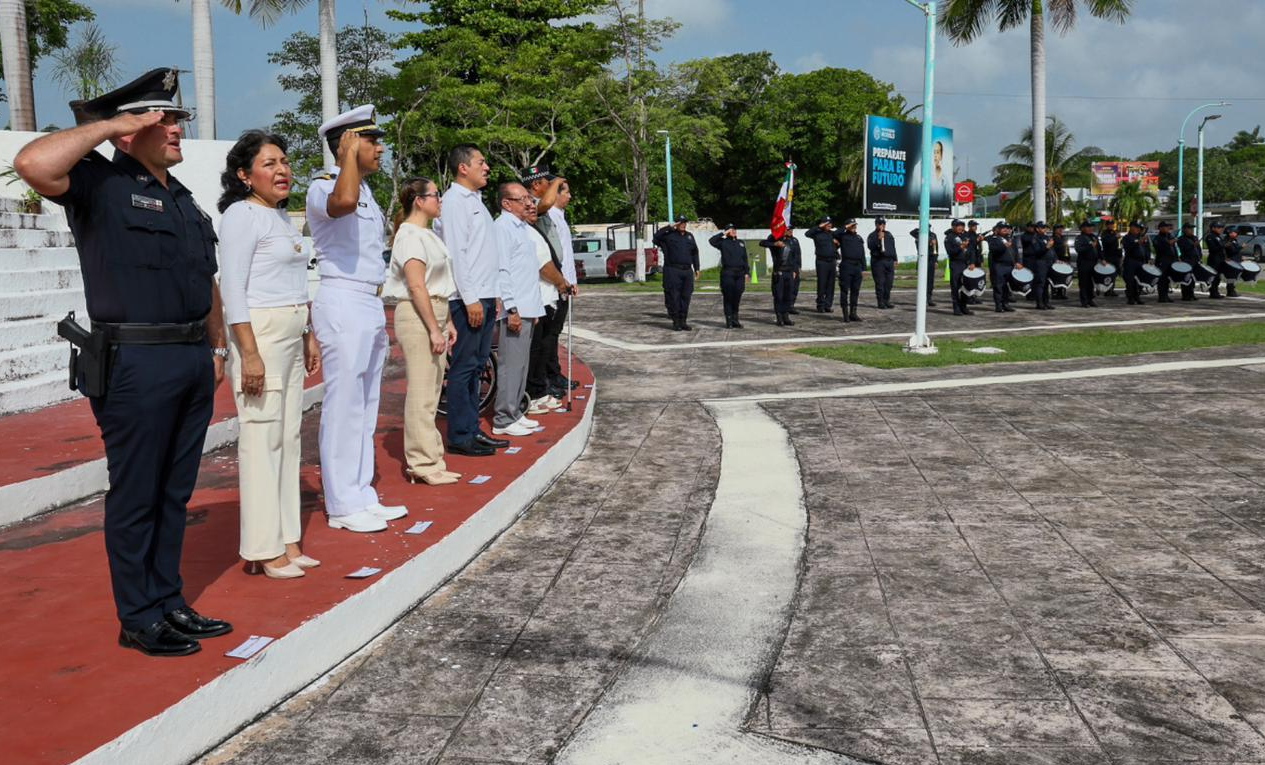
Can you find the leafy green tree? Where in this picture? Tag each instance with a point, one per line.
(1132, 203)
(88, 67)
(1244, 138)
(48, 24)
(1065, 167)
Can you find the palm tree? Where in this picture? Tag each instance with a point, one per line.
(1244, 139)
(1132, 203)
(329, 69)
(88, 68)
(1064, 167)
(965, 20)
(264, 11)
(17, 64)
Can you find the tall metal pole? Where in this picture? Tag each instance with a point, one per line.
(919, 342)
(1199, 202)
(1181, 160)
(667, 151)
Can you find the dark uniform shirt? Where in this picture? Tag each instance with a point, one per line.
(956, 246)
(1000, 249)
(933, 251)
(823, 242)
(1035, 247)
(881, 249)
(1234, 250)
(1059, 246)
(974, 246)
(678, 248)
(1136, 248)
(783, 260)
(1188, 246)
(147, 252)
(1110, 245)
(1216, 248)
(851, 247)
(1088, 250)
(794, 254)
(1165, 250)
(733, 253)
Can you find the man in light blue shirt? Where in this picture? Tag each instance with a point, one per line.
(466, 228)
(520, 295)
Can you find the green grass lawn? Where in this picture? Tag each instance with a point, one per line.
(1065, 345)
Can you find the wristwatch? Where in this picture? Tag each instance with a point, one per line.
(221, 352)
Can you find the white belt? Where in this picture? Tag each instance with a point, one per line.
(351, 285)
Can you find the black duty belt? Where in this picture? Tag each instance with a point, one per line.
(152, 334)
(681, 265)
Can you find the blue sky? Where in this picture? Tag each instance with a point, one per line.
(1123, 88)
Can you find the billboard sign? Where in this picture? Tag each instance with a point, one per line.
(893, 167)
(964, 193)
(1107, 176)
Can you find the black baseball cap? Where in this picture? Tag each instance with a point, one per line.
(880, 221)
(537, 173)
(682, 219)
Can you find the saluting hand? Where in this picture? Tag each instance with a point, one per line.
(128, 123)
(348, 147)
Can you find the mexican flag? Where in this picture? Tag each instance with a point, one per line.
(782, 210)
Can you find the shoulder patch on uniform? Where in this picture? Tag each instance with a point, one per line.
(322, 176)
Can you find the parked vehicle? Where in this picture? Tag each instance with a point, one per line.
(1251, 237)
(597, 257)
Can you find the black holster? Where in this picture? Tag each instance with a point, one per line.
(90, 357)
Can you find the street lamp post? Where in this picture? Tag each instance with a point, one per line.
(1199, 209)
(919, 342)
(1181, 159)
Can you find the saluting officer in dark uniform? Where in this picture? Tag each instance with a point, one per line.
(1135, 256)
(795, 257)
(680, 270)
(975, 252)
(147, 253)
(933, 257)
(956, 246)
(1001, 261)
(882, 247)
(1233, 251)
(1165, 256)
(1088, 255)
(784, 250)
(1189, 252)
(851, 267)
(824, 247)
(1039, 258)
(735, 269)
(1110, 239)
(1216, 257)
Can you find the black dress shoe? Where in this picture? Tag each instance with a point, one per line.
(483, 439)
(1007, 308)
(159, 639)
(930, 304)
(779, 319)
(192, 624)
(793, 310)
(686, 327)
(967, 312)
(853, 317)
(999, 309)
(1092, 304)
(471, 449)
(786, 321)
(737, 324)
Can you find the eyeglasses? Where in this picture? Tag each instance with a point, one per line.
(435, 194)
(518, 200)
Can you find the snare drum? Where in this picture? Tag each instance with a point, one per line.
(1230, 271)
(1179, 272)
(1104, 277)
(1061, 276)
(1021, 281)
(973, 282)
(1204, 274)
(1251, 270)
(1149, 278)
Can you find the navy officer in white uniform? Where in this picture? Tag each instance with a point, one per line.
(348, 230)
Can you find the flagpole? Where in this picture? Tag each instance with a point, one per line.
(919, 342)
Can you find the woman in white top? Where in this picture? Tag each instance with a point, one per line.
(421, 279)
(263, 281)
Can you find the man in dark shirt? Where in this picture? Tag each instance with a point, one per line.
(1216, 257)
(1001, 261)
(782, 249)
(1135, 256)
(933, 258)
(975, 250)
(1088, 255)
(823, 237)
(1110, 239)
(882, 247)
(851, 268)
(734, 271)
(680, 270)
(147, 253)
(1038, 257)
(1234, 252)
(957, 248)
(1189, 252)
(1165, 256)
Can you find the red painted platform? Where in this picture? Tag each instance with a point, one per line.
(67, 688)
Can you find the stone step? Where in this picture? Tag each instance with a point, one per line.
(36, 279)
(35, 392)
(23, 363)
(28, 237)
(18, 258)
(28, 305)
(46, 221)
(25, 333)
(13, 204)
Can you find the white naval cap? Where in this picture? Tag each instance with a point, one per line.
(359, 120)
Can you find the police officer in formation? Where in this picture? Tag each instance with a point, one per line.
(1002, 256)
(157, 345)
(1088, 254)
(851, 267)
(1165, 256)
(1038, 257)
(975, 250)
(827, 253)
(1234, 252)
(1058, 244)
(1216, 257)
(1188, 251)
(680, 270)
(735, 269)
(784, 249)
(933, 257)
(1136, 253)
(1111, 254)
(882, 247)
(795, 255)
(957, 246)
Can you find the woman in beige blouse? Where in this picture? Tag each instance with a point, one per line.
(421, 278)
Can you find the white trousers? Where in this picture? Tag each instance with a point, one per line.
(268, 446)
(351, 329)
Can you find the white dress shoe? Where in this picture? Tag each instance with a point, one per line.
(538, 407)
(553, 403)
(527, 422)
(387, 512)
(514, 429)
(362, 522)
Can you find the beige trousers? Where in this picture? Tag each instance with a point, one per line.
(423, 446)
(268, 446)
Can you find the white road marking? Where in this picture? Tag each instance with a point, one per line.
(877, 389)
(683, 698)
(624, 345)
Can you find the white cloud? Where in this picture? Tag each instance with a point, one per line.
(810, 62)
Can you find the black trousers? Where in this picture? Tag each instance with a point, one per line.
(795, 289)
(1214, 286)
(826, 268)
(153, 421)
(1085, 280)
(1040, 279)
(678, 286)
(1188, 289)
(544, 347)
(1131, 270)
(553, 367)
(783, 291)
(884, 271)
(732, 285)
(931, 278)
(955, 285)
(999, 275)
(849, 286)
